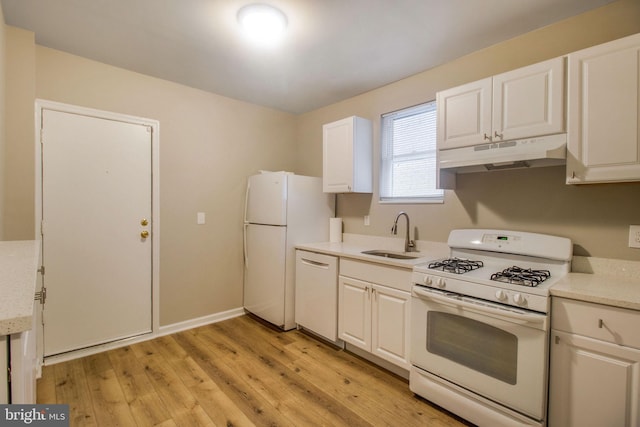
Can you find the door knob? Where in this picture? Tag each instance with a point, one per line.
(144, 222)
(144, 234)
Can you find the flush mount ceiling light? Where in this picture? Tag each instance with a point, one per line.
(262, 23)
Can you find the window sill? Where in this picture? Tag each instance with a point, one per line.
(410, 201)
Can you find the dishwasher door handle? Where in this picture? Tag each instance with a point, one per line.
(313, 263)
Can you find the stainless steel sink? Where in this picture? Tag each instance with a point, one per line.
(389, 254)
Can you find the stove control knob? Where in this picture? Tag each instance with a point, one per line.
(441, 283)
(501, 295)
(519, 299)
(428, 281)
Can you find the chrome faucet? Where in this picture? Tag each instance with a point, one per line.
(409, 245)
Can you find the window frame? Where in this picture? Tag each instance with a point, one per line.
(387, 159)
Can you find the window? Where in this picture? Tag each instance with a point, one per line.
(408, 156)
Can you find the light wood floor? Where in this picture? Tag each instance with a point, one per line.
(234, 373)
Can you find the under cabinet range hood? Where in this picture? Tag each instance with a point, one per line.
(548, 150)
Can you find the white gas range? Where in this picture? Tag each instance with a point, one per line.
(480, 325)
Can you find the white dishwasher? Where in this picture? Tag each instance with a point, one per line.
(317, 293)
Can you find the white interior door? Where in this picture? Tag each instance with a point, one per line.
(96, 205)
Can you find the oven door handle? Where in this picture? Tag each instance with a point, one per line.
(481, 308)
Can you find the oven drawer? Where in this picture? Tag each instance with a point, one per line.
(606, 323)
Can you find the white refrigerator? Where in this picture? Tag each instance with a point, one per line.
(281, 210)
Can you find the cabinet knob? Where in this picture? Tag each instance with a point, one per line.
(497, 135)
(487, 137)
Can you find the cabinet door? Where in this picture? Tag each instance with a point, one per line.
(529, 101)
(337, 156)
(347, 156)
(354, 312)
(390, 317)
(464, 115)
(593, 383)
(603, 116)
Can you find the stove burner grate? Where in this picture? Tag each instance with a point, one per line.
(521, 276)
(456, 265)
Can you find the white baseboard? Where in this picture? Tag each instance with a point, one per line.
(162, 331)
(200, 321)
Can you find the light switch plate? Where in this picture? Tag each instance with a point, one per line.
(366, 220)
(634, 236)
(200, 218)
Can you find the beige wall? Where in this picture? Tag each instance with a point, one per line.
(209, 144)
(595, 217)
(3, 135)
(19, 212)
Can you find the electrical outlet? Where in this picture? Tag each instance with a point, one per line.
(634, 236)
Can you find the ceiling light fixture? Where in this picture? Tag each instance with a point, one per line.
(262, 23)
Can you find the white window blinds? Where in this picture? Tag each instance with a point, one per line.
(408, 155)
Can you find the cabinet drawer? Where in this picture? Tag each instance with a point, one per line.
(393, 277)
(611, 324)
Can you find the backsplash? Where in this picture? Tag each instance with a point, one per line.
(606, 267)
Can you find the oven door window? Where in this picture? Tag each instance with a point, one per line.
(476, 345)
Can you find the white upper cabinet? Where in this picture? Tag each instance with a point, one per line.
(529, 101)
(522, 103)
(464, 115)
(603, 113)
(347, 156)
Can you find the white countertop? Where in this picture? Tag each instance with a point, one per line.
(353, 245)
(18, 278)
(616, 291)
(603, 281)
(599, 280)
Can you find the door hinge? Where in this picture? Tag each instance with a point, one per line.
(41, 270)
(41, 136)
(41, 295)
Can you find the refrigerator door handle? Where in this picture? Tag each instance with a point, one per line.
(246, 200)
(244, 245)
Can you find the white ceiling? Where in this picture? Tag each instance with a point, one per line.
(333, 49)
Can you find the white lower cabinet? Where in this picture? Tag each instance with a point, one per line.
(595, 366)
(375, 318)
